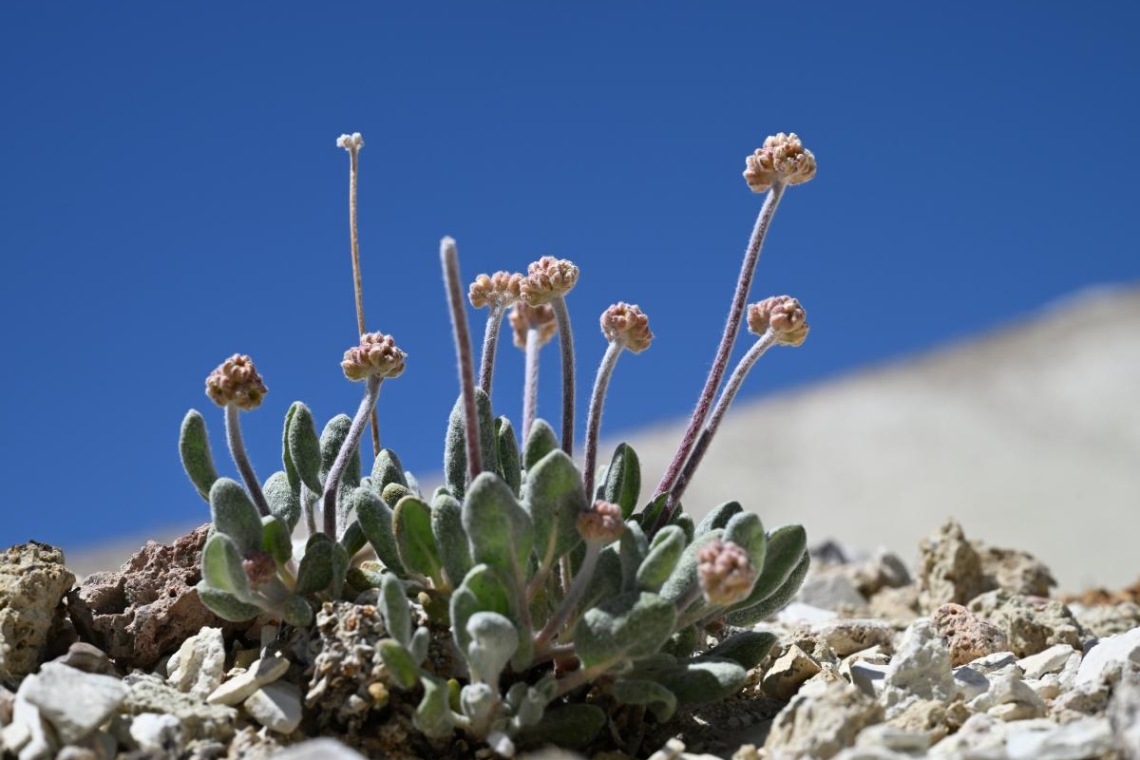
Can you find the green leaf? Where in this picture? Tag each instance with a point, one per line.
(607, 579)
(297, 612)
(493, 640)
(276, 539)
(785, 547)
(775, 602)
(683, 642)
(718, 517)
(746, 531)
(450, 538)
(315, 572)
(399, 663)
(433, 715)
(540, 442)
(353, 539)
(664, 553)
(395, 610)
(393, 492)
(633, 550)
(421, 640)
(510, 466)
(455, 446)
(623, 479)
(287, 458)
(283, 500)
(414, 540)
(484, 589)
(222, 566)
(225, 605)
(685, 522)
(194, 448)
(648, 516)
(499, 531)
(747, 648)
(704, 681)
(635, 691)
(684, 576)
(341, 561)
(573, 725)
(386, 468)
(303, 446)
(233, 514)
(624, 627)
(375, 520)
(555, 498)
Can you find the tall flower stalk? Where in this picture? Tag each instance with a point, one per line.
(534, 327)
(495, 292)
(236, 386)
(449, 258)
(548, 281)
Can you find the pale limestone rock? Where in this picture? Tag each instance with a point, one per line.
(1051, 660)
(318, 749)
(74, 702)
(238, 688)
(33, 580)
(970, 682)
(149, 693)
(1086, 738)
(1106, 658)
(199, 664)
(829, 591)
(980, 735)
(1124, 716)
(1009, 697)
(868, 676)
(157, 733)
(821, 720)
(992, 663)
(893, 738)
(277, 706)
(950, 569)
(919, 670)
(848, 636)
(788, 673)
(1031, 626)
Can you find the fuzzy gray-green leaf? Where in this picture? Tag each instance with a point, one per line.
(607, 580)
(493, 640)
(635, 691)
(718, 517)
(315, 572)
(554, 498)
(399, 663)
(539, 442)
(785, 547)
(283, 500)
(411, 522)
(386, 468)
(704, 681)
(774, 602)
(276, 539)
(684, 576)
(375, 520)
(332, 439)
(746, 531)
(296, 612)
(395, 610)
(627, 626)
(433, 715)
(622, 485)
(484, 589)
(455, 446)
(233, 514)
(225, 605)
(222, 565)
(746, 648)
(633, 549)
(303, 446)
(664, 553)
(194, 448)
(450, 538)
(510, 465)
(286, 458)
(573, 725)
(353, 539)
(499, 531)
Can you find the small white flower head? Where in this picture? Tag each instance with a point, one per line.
(352, 143)
(495, 291)
(627, 324)
(782, 159)
(783, 315)
(547, 279)
(376, 355)
(725, 574)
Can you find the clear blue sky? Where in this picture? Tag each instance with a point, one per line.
(172, 194)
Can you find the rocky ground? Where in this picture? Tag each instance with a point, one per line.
(968, 655)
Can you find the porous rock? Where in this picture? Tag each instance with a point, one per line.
(822, 719)
(949, 570)
(851, 635)
(920, 669)
(158, 734)
(1047, 661)
(1014, 570)
(349, 663)
(788, 673)
(885, 570)
(1031, 627)
(1009, 697)
(33, 581)
(319, 749)
(968, 636)
(1108, 619)
(150, 606)
(150, 693)
(74, 702)
(980, 736)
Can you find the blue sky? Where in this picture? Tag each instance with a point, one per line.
(172, 194)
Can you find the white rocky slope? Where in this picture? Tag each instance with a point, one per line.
(1029, 436)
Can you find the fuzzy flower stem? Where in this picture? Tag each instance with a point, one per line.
(724, 351)
(579, 677)
(450, 259)
(347, 451)
(357, 278)
(566, 341)
(530, 392)
(762, 344)
(237, 451)
(573, 596)
(490, 343)
(594, 417)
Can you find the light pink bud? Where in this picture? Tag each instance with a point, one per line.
(725, 574)
(523, 317)
(603, 524)
(496, 290)
(628, 325)
(783, 315)
(376, 355)
(547, 279)
(782, 159)
(236, 382)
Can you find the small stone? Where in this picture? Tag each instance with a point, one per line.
(239, 687)
(893, 738)
(919, 670)
(1124, 716)
(200, 721)
(1087, 738)
(854, 635)
(1107, 657)
(885, 570)
(13, 737)
(90, 659)
(318, 749)
(871, 753)
(868, 676)
(992, 663)
(981, 735)
(1047, 687)
(33, 581)
(36, 740)
(970, 682)
(74, 702)
(895, 604)
(830, 590)
(277, 706)
(1011, 711)
(1015, 570)
(821, 719)
(788, 673)
(201, 663)
(926, 717)
(968, 636)
(1108, 619)
(1031, 627)
(1008, 688)
(1077, 703)
(77, 753)
(1049, 661)
(157, 733)
(671, 751)
(950, 569)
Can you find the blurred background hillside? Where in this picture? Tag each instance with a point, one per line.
(172, 194)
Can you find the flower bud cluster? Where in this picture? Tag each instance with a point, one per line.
(782, 159)
(627, 324)
(376, 355)
(724, 571)
(547, 279)
(351, 143)
(603, 524)
(496, 290)
(783, 315)
(523, 317)
(236, 382)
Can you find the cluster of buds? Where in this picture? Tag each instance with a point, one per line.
(602, 524)
(783, 315)
(627, 324)
(724, 571)
(783, 159)
(547, 279)
(524, 317)
(376, 355)
(236, 382)
(352, 143)
(495, 291)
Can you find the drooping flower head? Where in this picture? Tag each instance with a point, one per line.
(782, 159)
(376, 355)
(495, 291)
(547, 279)
(627, 324)
(724, 572)
(783, 315)
(236, 382)
(523, 317)
(602, 524)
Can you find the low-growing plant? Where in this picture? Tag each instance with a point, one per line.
(553, 582)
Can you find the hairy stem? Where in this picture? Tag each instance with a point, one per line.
(573, 596)
(766, 341)
(450, 259)
(724, 350)
(490, 343)
(530, 391)
(237, 451)
(347, 451)
(357, 278)
(566, 342)
(594, 416)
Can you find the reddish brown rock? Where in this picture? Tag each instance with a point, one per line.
(968, 636)
(150, 606)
